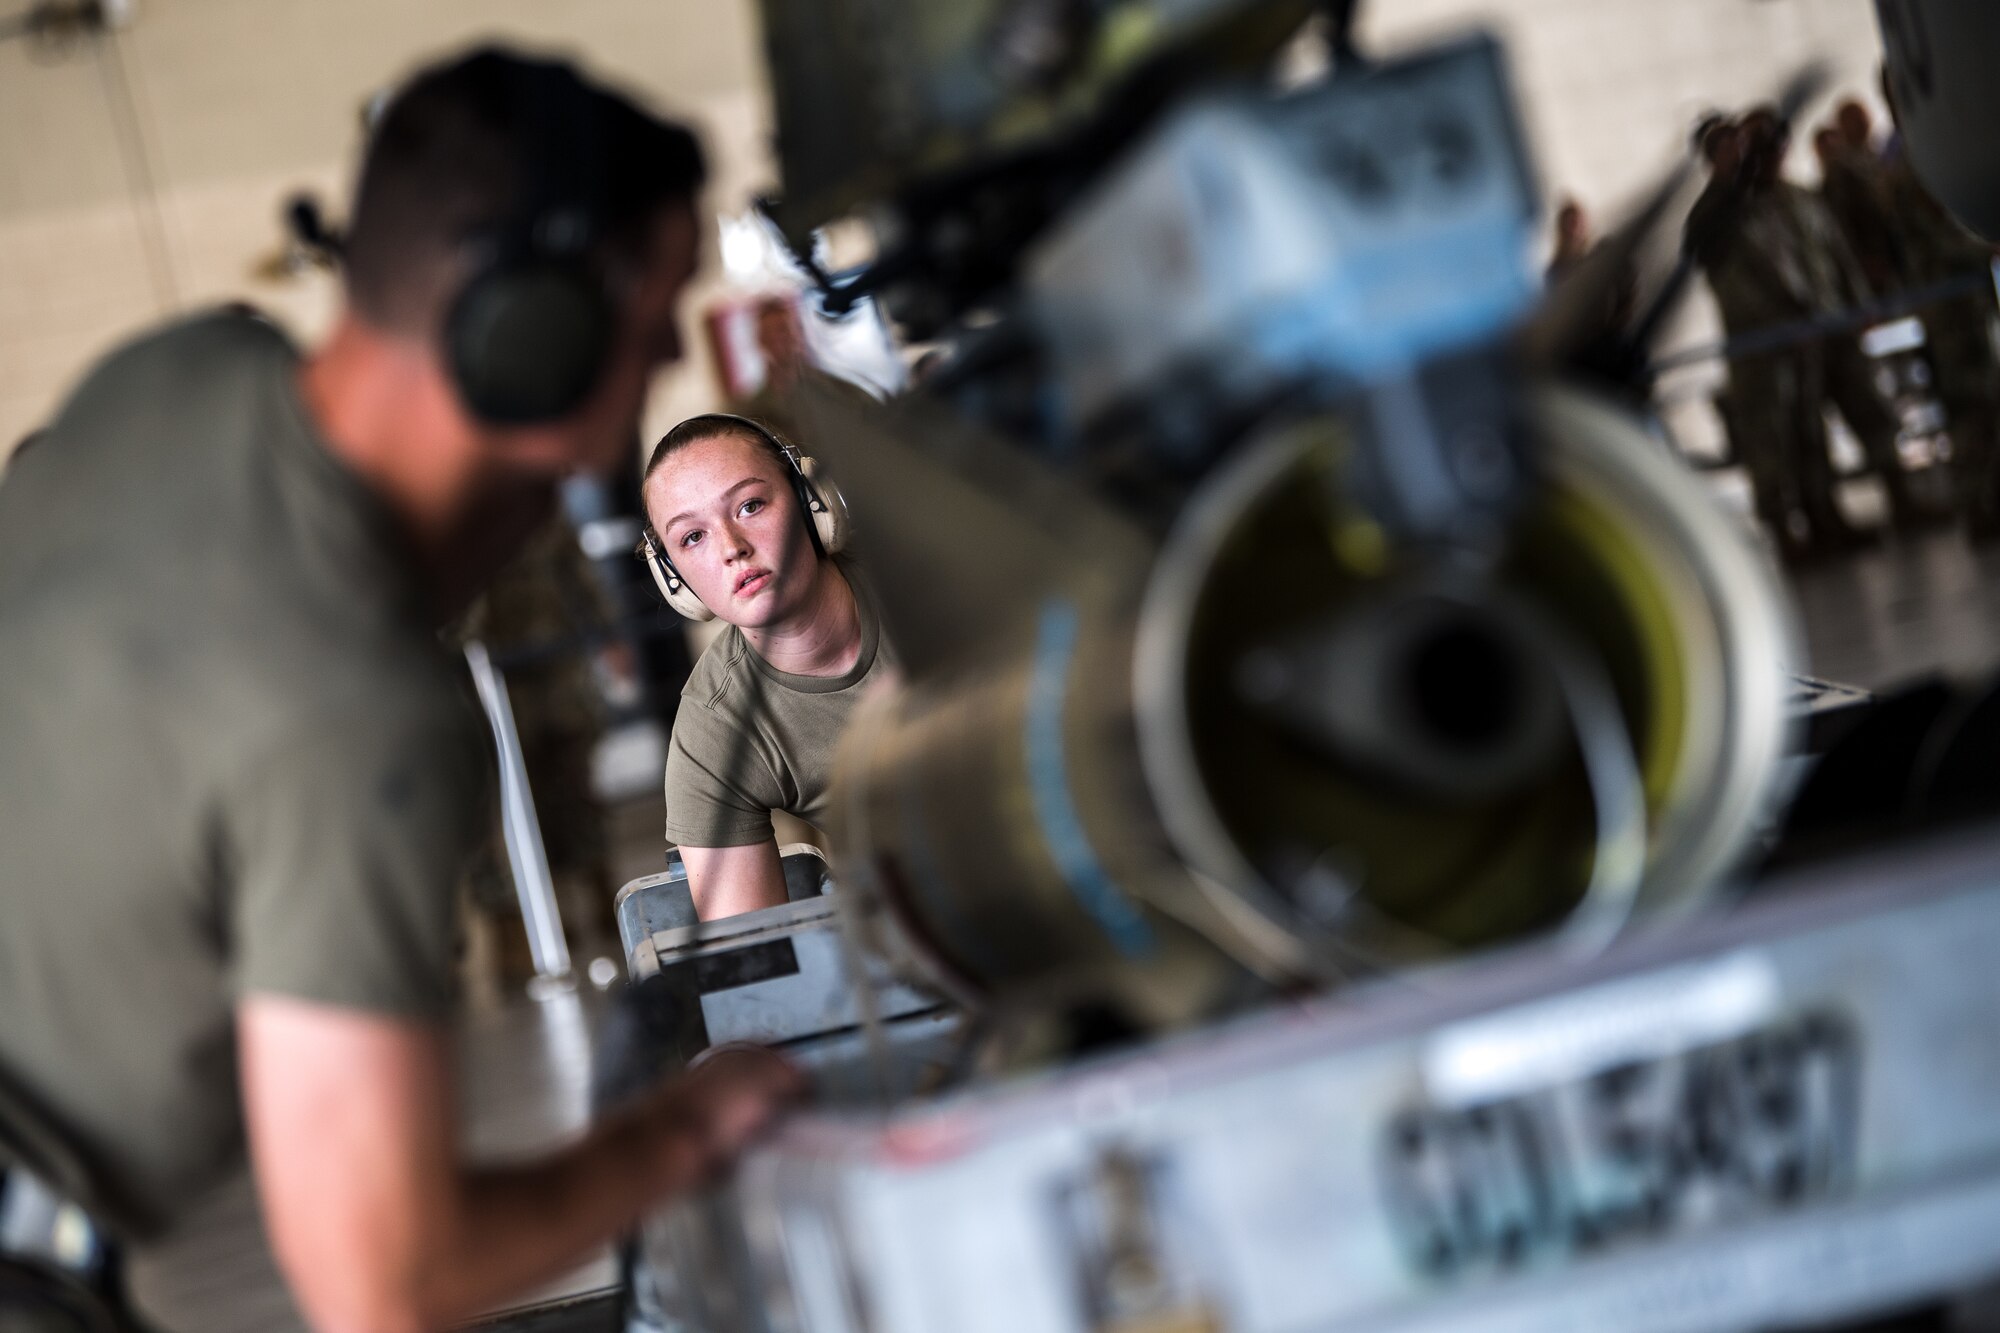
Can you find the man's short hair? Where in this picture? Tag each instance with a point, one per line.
(457, 154)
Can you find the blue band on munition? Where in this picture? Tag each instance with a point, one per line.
(1049, 794)
(926, 880)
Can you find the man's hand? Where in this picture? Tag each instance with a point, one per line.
(376, 1225)
(725, 1102)
(725, 881)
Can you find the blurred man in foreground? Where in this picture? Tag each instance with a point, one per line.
(237, 774)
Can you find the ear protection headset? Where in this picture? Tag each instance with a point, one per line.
(528, 336)
(821, 505)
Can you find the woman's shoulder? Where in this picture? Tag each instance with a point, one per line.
(716, 683)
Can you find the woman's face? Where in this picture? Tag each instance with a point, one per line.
(729, 520)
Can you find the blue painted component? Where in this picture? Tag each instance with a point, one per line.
(925, 879)
(1049, 794)
(1368, 320)
(1335, 238)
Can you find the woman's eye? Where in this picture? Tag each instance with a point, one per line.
(751, 506)
(690, 538)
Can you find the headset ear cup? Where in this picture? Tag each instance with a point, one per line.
(830, 519)
(672, 587)
(689, 605)
(527, 343)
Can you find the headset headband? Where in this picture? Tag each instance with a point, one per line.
(821, 507)
(558, 209)
(791, 452)
(803, 488)
(531, 330)
(809, 500)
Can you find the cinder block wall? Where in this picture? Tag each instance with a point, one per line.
(240, 102)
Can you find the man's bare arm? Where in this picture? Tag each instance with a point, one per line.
(727, 880)
(376, 1225)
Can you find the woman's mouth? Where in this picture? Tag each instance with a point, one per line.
(752, 582)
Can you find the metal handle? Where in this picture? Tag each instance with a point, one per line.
(522, 831)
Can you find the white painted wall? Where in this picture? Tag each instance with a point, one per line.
(244, 101)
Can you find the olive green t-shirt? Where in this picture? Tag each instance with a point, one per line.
(750, 739)
(233, 756)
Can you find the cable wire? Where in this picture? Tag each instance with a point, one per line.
(140, 174)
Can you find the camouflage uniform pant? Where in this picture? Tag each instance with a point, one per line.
(1968, 387)
(1773, 410)
(1850, 387)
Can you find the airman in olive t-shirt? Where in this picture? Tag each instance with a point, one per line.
(237, 773)
(742, 529)
(750, 739)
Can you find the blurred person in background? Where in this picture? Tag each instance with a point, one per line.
(1932, 249)
(1574, 244)
(239, 776)
(1854, 184)
(1763, 405)
(1846, 224)
(1573, 240)
(1773, 256)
